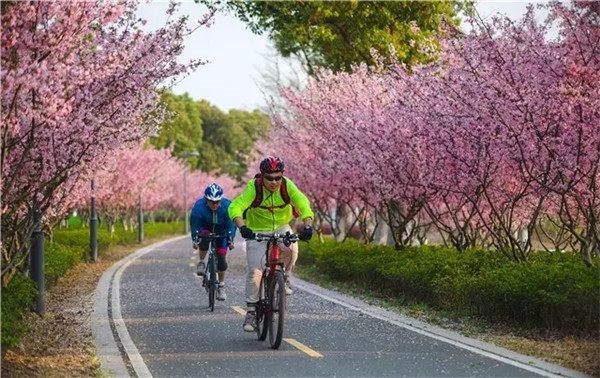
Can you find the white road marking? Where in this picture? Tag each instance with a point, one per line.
(488, 350)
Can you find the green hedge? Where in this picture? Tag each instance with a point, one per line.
(67, 248)
(19, 295)
(551, 291)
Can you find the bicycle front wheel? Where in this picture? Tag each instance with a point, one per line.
(262, 310)
(212, 282)
(277, 307)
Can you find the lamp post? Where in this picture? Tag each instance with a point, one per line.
(93, 226)
(185, 209)
(140, 219)
(37, 262)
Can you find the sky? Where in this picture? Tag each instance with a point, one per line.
(237, 57)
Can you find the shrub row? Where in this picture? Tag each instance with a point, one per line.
(551, 291)
(19, 295)
(67, 248)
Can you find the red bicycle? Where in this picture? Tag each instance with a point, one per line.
(271, 306)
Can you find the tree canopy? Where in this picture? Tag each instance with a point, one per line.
(499, 134)
(223, 140)
(79, 81)
(184, 130)
(338, 34)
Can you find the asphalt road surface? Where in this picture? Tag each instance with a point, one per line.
(151, 318)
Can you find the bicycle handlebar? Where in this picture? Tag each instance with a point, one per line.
(287, 237)
(212, 236)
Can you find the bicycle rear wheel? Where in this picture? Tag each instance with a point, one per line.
(212, 282)
(262, 310)
(277, 309)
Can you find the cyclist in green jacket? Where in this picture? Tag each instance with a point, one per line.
(268, 205)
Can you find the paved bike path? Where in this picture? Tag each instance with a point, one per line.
(164, 310)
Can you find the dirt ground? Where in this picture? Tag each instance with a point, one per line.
(60, 343)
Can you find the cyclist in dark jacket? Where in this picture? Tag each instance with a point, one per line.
(209, 215)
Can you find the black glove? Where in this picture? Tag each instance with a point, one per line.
(246, 232)
(306, 234)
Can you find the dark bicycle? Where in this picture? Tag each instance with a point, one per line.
(210, 281)
(271, 306)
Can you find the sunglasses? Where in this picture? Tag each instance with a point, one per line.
(271, 178)
(214, 202)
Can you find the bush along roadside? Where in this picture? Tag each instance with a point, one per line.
(67, 248)
(554, 292)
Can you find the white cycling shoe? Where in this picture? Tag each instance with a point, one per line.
(200, 268)
(288, 289)
(250, 321)
(221, 296)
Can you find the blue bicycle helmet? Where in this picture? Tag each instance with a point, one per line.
(213, 192)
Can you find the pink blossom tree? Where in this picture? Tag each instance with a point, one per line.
(363, 149)
(147, 177)
(79, 79)
(478, 142)
(517, 111)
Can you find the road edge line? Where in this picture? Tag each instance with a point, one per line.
(107, 349)
(507, 356)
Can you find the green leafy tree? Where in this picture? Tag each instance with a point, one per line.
(337, 34)
(229, 138)
(223, 140)
(216, 145)
(253, 126)
(184, 130)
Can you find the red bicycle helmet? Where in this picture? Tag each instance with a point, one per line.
(271, 164)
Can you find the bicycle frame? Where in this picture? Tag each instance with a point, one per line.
(272, 259)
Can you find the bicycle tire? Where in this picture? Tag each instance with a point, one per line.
(277, 309)
(262, 311)
(212, 282)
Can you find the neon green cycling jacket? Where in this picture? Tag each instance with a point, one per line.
(261, 219)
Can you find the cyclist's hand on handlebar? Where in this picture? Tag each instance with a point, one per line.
(246, 232)
(230, 245)
(306, 233)
(195, 245)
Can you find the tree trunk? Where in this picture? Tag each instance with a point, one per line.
(110, 224)
(382, 233)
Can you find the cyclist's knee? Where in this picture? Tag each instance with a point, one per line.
(221, 262)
